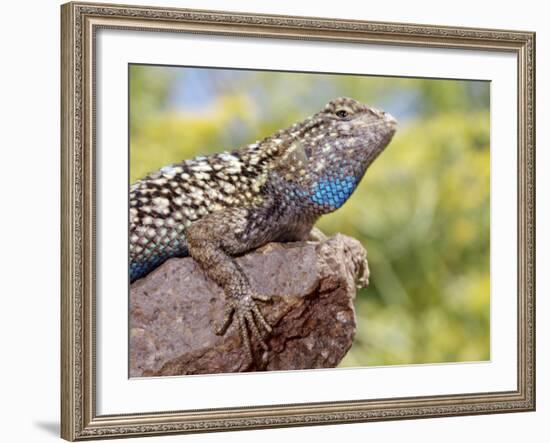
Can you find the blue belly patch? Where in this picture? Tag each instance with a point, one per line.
(150, 259)
(142, 268)
(333, 192)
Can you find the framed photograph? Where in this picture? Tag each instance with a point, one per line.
(282, 221)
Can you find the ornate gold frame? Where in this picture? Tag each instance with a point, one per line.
(79, 420)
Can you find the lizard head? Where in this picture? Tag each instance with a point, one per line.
(325, 156)
(339, 143)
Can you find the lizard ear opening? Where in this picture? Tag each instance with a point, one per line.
(295, 156)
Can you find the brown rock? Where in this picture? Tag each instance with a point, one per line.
(173, 311)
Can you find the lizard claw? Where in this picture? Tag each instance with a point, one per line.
(261, 297)
(227, 318)
(249, 318)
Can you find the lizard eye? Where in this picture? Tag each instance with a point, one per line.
(342, 113)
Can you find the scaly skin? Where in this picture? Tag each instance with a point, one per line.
(216, 207)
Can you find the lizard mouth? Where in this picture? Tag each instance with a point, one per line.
(384, 120)
(389, 123)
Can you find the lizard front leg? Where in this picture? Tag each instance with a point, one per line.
(213, 241)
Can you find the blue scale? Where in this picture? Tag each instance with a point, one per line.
(333, 192)
(140, 268)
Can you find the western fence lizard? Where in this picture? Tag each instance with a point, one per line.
(216, 207)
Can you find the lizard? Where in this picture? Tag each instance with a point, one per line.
(216, 207)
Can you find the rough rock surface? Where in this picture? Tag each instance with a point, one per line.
(174, 309)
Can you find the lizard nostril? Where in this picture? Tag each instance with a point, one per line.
(390, 119)
(378, 113)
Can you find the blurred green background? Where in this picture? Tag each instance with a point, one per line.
(421, 211)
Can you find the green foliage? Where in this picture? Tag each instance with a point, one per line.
(422, 210)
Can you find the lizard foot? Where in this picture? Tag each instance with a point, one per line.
(249, 318)
(317, 235)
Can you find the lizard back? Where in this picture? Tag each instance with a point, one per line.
(165, 203)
